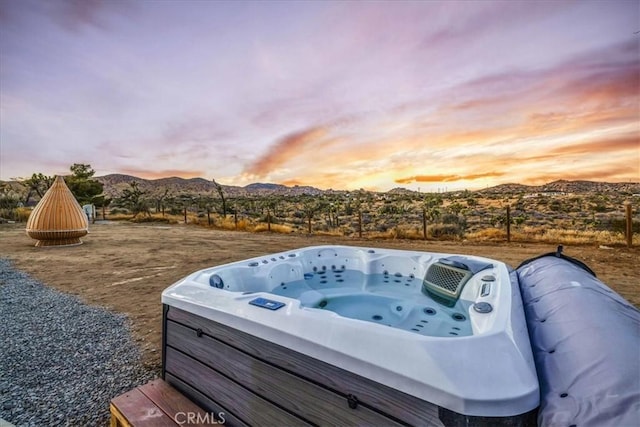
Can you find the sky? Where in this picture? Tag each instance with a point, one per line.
(425, 95)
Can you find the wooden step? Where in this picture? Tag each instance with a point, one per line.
(157, 404)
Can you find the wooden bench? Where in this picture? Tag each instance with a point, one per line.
(157, 404)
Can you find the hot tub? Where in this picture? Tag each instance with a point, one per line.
(347, 335)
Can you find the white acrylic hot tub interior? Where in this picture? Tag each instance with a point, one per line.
(373, 285)
(364, 310)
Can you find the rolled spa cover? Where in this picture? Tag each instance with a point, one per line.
(58, 219)
(586, 344)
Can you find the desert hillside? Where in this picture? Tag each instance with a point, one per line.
(113, 185)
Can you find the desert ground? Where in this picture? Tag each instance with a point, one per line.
(125, 267)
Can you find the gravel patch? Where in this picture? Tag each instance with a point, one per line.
(61, 361)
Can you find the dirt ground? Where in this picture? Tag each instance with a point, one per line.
(125, 267)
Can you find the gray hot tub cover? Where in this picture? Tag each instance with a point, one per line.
(586, 344)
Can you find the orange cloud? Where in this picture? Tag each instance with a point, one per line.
(604, 86)
(285, 149)
(544, 102)
(322, 180)
(447, 178)
(608, 144)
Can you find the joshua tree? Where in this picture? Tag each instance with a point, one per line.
(9, 200)
(160, 198)
(38, 184)
(431, 204)
(101, 201)
(132, 200)
(310, 207)
(221, 194)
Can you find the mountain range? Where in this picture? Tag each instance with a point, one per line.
(115, 183)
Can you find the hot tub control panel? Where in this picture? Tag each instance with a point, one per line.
(267, 303)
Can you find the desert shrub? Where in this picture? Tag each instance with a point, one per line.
(396, 232)
(323, 227)
(619, 225)
(6, 214)
(488, 234)
(195, 220)
(275, 228)
(175, 211)
(327, 233)
(22, 214)
(265, 218)
(445, 231)
(156, 219)
(570, 236)
(228, 223)
(407, 233)
(555, 205)
(390, 209)
(19, 214)
(119, 216)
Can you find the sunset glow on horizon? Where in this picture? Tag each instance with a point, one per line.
(342, 95)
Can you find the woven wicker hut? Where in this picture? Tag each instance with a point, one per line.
(57, 219)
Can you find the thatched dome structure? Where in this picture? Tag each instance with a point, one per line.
(57, 219)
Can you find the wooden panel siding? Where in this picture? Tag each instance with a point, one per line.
(293, 393)
(278, 363)
(249, 407)
(203, 401)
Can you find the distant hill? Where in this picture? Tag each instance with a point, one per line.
(174, 186)
(401, 191)
(563, 186)
(115, 183)
(591, 187)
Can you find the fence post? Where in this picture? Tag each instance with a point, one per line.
(508, 224)
(268, 220)
(629, 224)
(208, 216)
(359, 223)
(185, 214)
(424, 224)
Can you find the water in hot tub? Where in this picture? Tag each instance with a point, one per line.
(390, 299)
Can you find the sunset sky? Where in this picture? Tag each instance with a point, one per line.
(344, 95)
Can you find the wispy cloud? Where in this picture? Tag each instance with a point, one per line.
(447, 178)
(287, 148)
(77, 15)
(630, 143)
